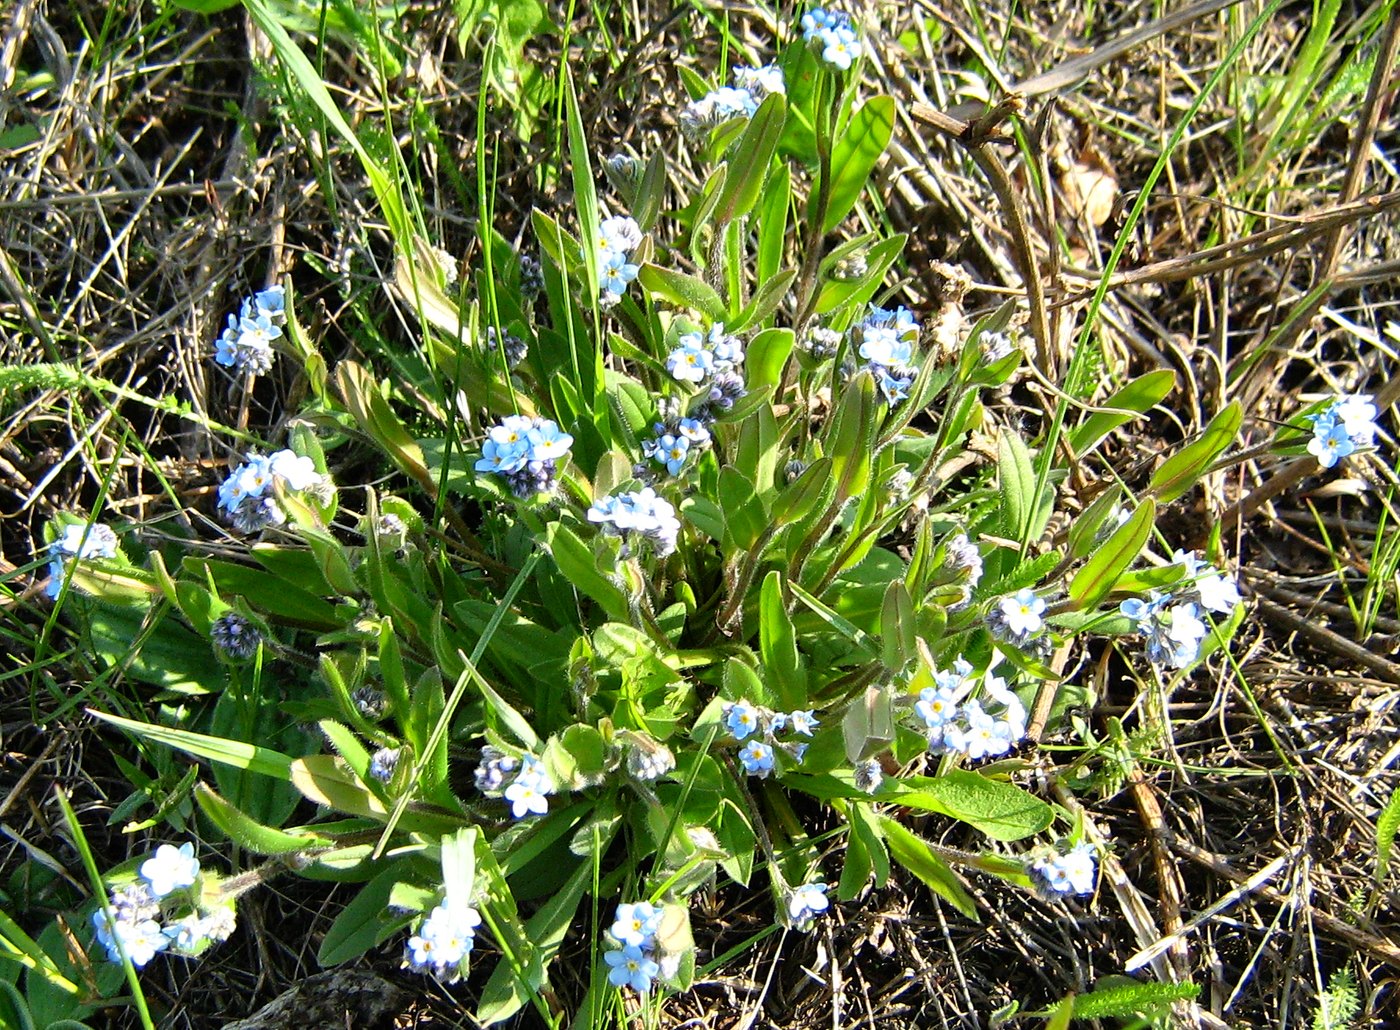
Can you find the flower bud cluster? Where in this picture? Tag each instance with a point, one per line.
(618, 237)
(444, 941)
(635, 957)
(1171, 624)
(757, 729)
(1062, 871)
(713, 361)
(248, 496)
(886, 341)
(806, 903)
(832, 37)
(512, 347)
(524, 451)
(80, 541)
(236, 636)
(245, 345)
(163, 910)
(1019, 620)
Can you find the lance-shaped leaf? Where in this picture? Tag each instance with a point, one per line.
(1180, 472)
(855, 154)
(248, 833)
(368, 407)
(749, 160)
(682, 289)
(1100, 573)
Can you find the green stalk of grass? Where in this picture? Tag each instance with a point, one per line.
(100, 890)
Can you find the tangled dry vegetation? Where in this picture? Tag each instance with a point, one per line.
(144, 185)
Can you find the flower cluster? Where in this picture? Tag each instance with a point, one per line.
(1063, 871)
(236, 636)
(831, 36)
(1348, 423)
(522, 782)
(444, 941)
(1019, 620)
(642, 513)
(1171, 624)
(524, 451)
(751, 87)
(78, 540)
(168, 888)
(246, 342)
(953, 722)
(757, 728)
(618, 237)
(512, 347)
(647, 758)
(715, 354)
(674, 442)
(635, 957)
(249, 495)
(806, 903)
(886, 341)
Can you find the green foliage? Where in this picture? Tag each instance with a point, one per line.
(811, 565)
(1339, 1005)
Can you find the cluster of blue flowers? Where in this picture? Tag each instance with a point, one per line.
(712, 361)
(80, 541)
(757, 729)
(953, 722)
(618, 237)
(831, 36)
(741, 100)
(1063, 871)
(635, 957)
(249, 495)
(168, 889)
(444, 941)
(887, 340)
(1348, 423)
(1171, 624)
(245, 345)
(522, 782)
(641, 513)
(1019, 620)
(673, 443)
(524, 451)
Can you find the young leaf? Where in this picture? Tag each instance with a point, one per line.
(368, 920)
(855, 154)
(914, 854)
(767, 357)
(1141, 394)
(744, 517)
(1180, 472)
(1000, 810)
(250, 834)
(682, 289)
(749, 160)
(1100, 573)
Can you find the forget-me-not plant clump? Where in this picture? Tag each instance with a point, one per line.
(676, 538)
